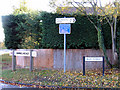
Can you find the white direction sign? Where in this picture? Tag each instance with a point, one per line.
(93, 58)
(65, 20)
(24, 53)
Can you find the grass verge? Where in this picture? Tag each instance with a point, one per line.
(5, 60)
(59, 78)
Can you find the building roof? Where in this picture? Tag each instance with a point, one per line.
(73, 10)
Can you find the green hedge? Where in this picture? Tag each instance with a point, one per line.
(83, 34)
(12, 40)
(22, 31)
(26, 30)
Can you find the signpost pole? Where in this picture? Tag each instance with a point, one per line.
(103, 66)
(84, 66)
(64, 53)
(64, 28)
(13, 61)
(31, 61)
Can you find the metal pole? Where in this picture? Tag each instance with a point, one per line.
(13, 61)
(83, 65)
(31, 61)
(103, 66)
(64, 53)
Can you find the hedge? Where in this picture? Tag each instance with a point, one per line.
(12, 39)
(45, 34)
(83, 34)
(19, 29)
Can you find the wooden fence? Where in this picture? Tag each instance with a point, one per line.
(53, 59)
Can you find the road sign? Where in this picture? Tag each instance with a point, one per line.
(64, 28)
(65, 20)
(30, 53)
(92, 59)
(24, 53)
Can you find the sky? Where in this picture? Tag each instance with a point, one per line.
(6, 8)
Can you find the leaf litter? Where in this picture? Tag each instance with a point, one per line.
(57, 78)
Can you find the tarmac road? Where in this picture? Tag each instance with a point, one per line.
(5, 51)
(2, 85)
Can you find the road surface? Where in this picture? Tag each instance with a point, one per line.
(2, 85)
(5, 51)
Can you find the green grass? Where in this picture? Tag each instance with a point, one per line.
(5, 59)
(59, 78)
(0, 70)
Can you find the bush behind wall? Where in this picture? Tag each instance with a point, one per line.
(45, 34)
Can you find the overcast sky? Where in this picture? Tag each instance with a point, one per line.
(6, 8)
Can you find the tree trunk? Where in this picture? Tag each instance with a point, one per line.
(119, 58)
(114, 53)
(102, 46)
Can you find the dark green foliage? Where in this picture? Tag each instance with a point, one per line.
(22, 31)
(83, 34)
(106, 31)
(118, 42)
(26, 31)
(32, 27)
(12, 39)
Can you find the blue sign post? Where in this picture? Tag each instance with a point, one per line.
(64, 29)
(64, 53)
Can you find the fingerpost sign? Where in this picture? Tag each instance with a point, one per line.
(65, 28)
(65, 20)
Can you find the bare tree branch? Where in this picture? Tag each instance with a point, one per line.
(84, 13)
(105, 16)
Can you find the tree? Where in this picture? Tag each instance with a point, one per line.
(33, 30)
(22, 8)
(111, 18)
(2, 45)
(54, 4)
(30, 18)
(108, 13)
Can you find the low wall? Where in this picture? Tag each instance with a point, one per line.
(53, 59)
(74, 59)
(44, 59)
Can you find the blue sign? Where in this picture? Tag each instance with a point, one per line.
(64, 28)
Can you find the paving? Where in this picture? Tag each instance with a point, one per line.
(2, 85)
(5, 51)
